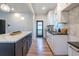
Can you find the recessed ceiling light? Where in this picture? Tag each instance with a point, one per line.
(17, 14)
(22, 18)
(12, 9)
(43, 8)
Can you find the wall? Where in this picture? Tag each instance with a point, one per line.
(74, 24)
(16, 24)
(39, 17)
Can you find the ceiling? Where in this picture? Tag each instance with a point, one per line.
(37, 7)
(20, 7)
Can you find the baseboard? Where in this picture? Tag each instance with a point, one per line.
(60, 55)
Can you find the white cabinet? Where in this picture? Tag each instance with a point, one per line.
(50, 40)
(62, 11)
(69, 51)
(68, 6)
(58, 13)
(75, 53)
(72, 51)
(60, 44)
(61, 16)
(63, 6)
(57, 43)
(51, 17)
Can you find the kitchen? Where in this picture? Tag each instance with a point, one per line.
(60, 28)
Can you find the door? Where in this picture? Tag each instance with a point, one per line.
(2, 26)
(39, 28)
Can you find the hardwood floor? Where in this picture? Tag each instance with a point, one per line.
(39, 48)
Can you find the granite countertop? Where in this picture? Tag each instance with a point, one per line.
(7, 38)
(75, 44)
(55, 33)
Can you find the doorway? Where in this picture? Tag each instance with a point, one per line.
(39, 28)
(2, 26)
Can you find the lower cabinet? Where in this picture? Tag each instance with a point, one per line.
(58, 43)
(72, 51)
(50, 40)
(69, 50)
(7, 49)
(20, 48)
(25, 46)
(27, 41)
(75, 53)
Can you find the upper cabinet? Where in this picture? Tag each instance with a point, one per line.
(64, 5)
(62, 16)
(68, 6)
(51, 17)
(62, 11)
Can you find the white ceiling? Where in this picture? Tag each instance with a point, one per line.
(38, 8)
(20, 7)
(25, 8)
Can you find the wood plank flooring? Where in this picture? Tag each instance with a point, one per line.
(39, 48)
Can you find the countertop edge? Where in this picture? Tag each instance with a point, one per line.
(56, 33)
(73, 45)
(8, 40)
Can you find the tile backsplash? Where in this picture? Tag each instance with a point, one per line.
(74, 23)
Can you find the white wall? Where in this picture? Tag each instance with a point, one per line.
(39, 17)
(74, 24)
(16, 24)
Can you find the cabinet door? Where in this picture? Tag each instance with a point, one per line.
(69, 50)
(75, 53)
(72, 51)
(27, 41)
(18, 48)
(25, 46)
(7, 49)
(52, 43)
(50, 18)
(50, 40)
(60, 44)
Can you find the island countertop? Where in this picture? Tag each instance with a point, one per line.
(7, 38)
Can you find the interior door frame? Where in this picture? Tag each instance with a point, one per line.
(37, 26)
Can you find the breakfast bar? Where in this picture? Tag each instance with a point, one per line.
(15, 44)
